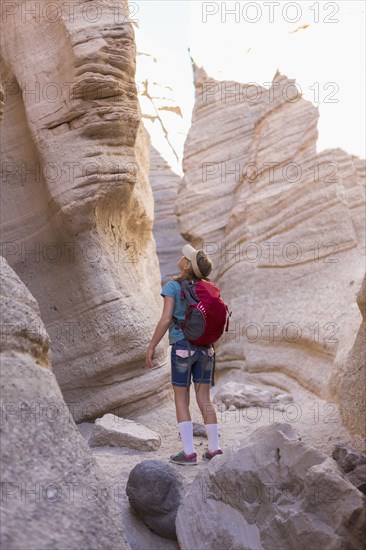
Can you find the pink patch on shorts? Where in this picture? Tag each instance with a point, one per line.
(183, 352)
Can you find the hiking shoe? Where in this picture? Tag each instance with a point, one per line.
(185, 460)
(208, 455)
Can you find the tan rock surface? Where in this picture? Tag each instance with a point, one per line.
(349, 379)
(54, 495)
(76, 205)
(284, 226)
(165, 184)
(268, 491)
(114, 431)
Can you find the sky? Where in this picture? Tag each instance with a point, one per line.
(320, 44)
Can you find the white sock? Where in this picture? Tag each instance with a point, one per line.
(213, 437)
(186, 433)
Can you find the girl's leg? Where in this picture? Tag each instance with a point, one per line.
(185, 425)
(209, 415)
(181, 397)
(204, 402)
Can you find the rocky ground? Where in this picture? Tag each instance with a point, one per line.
(317, 422)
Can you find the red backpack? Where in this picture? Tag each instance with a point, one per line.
(207, 315)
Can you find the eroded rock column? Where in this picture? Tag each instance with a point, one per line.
(77, 208)
(283, 224)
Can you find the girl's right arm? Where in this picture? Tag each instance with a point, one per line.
(161, 329)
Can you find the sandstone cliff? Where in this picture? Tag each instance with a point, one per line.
(348, 383)
(284, 226)
(53, 493)
(165, 184)
(76, 205)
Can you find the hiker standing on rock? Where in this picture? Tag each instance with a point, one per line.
(191, 360)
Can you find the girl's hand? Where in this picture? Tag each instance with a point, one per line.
(150, 357)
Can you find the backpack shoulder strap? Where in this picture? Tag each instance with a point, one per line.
(189, 290)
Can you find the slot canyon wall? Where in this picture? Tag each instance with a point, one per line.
(49, 477)
(165, 184)
(285, 228)
(76, 204)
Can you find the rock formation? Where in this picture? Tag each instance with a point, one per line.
(165, 184)
(161, 98)
(53, 495)
(269, 491)
(76, 205)
(283, 225)
(349, 380)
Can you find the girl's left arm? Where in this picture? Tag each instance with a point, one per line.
(161, 329)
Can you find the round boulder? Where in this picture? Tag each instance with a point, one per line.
(154, 491)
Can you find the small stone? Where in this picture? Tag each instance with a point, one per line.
(199, 429)
(358, 477)
(347, 458)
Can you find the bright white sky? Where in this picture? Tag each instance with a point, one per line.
(246, 50)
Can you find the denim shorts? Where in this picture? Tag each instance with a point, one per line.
(201, 364)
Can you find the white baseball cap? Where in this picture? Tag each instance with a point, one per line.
(191, 254)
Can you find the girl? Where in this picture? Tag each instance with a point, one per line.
(193, 265)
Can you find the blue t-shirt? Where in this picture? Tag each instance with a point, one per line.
(173, 289)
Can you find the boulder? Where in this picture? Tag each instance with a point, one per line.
(54, 495)
(271, 490)
(154, 491)
(113, 431)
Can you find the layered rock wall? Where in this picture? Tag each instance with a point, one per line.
(283, 224)
(53, 494)
(348, 383)
(76, 205)
(165, 184)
